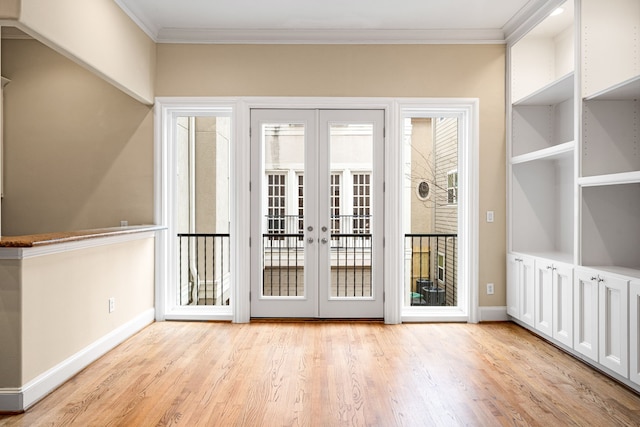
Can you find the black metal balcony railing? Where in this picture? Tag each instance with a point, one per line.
(204, 269)
(431, 266)
(284, 262)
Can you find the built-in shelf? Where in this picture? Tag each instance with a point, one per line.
(629, 89)
(610, 179)
(551, 94)
(556, 152)
(610, 230)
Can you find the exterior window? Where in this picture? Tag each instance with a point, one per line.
(300, 204)
(441, 267)
(361, 202)
(276, 202)
(452, 187)
(335, 203)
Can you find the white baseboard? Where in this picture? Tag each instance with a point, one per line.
(19, 400)
(493, 314)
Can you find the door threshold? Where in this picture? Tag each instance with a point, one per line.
(314, 320)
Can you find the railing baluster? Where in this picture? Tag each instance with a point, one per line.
(437, 294)
(196, 266)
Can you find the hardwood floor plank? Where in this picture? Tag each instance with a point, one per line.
(335, 374)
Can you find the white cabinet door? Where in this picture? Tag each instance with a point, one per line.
(527, 291)
(513, 285)
(614, 326)
(586, 313)
(520, 288)
(543, 301)
(563, 304)
(634, 331)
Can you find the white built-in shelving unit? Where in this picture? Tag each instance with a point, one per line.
(542, 140)
(574, 181)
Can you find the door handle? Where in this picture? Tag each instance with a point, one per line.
(310, 240)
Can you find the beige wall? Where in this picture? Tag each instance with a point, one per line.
(78, 151)
(476, 71)
(98, 35)
(65, 299)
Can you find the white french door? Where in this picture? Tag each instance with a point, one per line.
(317, 202)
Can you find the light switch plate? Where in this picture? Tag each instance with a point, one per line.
(489, 216)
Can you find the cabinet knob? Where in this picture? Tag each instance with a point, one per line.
(549, 267)
(594, 278)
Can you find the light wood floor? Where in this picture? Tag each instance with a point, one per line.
(335, 374)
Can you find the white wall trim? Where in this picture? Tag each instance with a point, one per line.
(493, 314)
(93, 242)
(324, 36)
(18, 400)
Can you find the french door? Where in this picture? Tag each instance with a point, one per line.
(317, 201)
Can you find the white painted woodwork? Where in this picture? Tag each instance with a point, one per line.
(613, 323)
(315, 298)
(554, 300)
(563, 303)
(543, 276)
(520, 288)
(539, 126)
(634, 331)
(542, 206)
(513, 285)
(543, 55)
(610, 226)
(586, 313)
(610, 137)
(610, 43)
(542, 140)
(574, 185)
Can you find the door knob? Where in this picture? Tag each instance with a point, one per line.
(310, 240)
(324, 240)
(324, 228)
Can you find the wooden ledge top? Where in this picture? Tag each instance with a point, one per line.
(33, 240)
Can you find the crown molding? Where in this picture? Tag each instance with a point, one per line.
(528, 17)
(140, 20)
(267, 36)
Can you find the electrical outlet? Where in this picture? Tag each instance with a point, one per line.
(489, 288)
(112, 305)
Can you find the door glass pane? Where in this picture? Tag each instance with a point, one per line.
(283, 210)
(430, 200)
(202, 210)
(350, 206)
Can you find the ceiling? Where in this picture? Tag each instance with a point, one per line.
(332, 21)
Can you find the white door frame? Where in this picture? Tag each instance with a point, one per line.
(467, 110)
